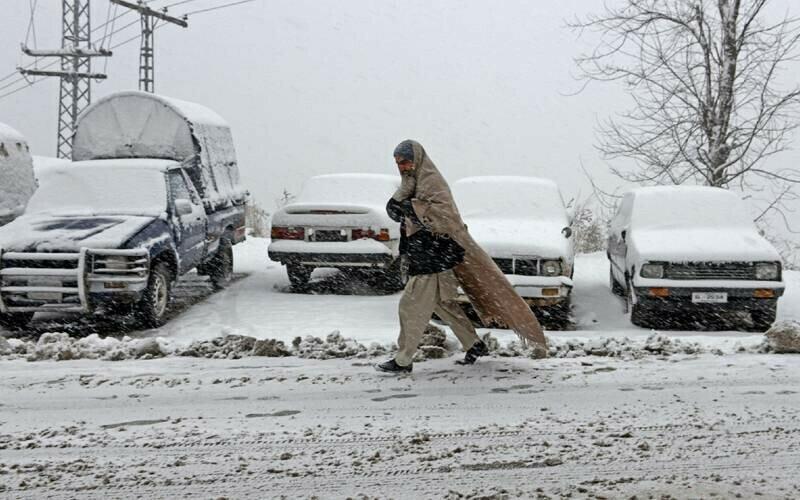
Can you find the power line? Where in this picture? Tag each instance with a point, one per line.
(218, 7)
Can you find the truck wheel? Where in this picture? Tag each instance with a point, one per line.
(616, 288)
(220, 269)
(299, 275)
(763, 318)
(15, 321)
(151, 310)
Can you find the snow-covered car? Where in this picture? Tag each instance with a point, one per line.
(692, 251)
(339, 221)
(17, 182)
(523, 224)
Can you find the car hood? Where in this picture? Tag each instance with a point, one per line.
(702, 245)
(506, 238)
(31, 233)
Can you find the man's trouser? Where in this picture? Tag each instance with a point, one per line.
(425, 294)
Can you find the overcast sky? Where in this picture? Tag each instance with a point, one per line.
(313, 86)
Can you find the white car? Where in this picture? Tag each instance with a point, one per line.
(339, 221)
(523, 224)
(692, 253)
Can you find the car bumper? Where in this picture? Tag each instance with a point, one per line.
(538, 291)
(685, 299)
(379, 260)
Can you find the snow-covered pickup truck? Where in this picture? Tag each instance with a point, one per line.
(339, 221)
(692, 253)
(153, 193)
(17, 182)
(523, 224)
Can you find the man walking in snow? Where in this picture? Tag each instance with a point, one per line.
(433, 287)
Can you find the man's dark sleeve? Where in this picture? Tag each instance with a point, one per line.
(394, 210)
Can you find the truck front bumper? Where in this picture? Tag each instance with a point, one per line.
(71, 282)
(366, 260)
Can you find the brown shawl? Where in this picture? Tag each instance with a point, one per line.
(490, 292)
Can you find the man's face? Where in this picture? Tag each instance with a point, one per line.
(404, 164)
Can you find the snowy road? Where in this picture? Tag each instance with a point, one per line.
(177, 427)
(688, 426)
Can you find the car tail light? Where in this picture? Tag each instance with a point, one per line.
(360, 234)
(288, 233)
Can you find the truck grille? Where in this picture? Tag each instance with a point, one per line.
(711, 271)
(41, 281)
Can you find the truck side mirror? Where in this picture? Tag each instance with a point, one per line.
(623, 234)
(183, 207)
(567, 232)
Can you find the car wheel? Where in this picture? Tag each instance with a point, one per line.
(616, 288)
(763, 318)
(220, 269)
(299, 275)
(151, 310)
(558, 316)
(641, 315)
(15, 321)
(396, 275)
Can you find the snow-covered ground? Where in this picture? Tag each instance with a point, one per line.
(714, 418)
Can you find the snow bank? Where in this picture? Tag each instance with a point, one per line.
(60, 346)
(142, 125)
(17, 182)
(784, 337)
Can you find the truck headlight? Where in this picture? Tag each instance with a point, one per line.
(115, 262)
(766, 271)
(551, 268)
(653, 271)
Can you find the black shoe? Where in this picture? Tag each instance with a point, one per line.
(391, 366)
(477, 350)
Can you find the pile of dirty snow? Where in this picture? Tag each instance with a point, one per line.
(784, 337)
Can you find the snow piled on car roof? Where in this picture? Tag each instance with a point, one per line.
(688, 206)
(510, 197)
(349, 189)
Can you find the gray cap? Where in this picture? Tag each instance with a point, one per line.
(405, 150)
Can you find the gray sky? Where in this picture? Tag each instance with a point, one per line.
(313, 86)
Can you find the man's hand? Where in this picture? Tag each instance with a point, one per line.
(395, 210)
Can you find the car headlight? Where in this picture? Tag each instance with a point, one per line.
(551, 268)
(653, 271)
(767, 271)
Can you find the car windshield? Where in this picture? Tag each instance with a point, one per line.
(689, 208)
(348, 189)
(100, 190)
(509, 198)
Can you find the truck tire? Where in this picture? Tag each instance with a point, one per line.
(220, 269)
(763, 318)
(15, 321)
(299, 275)
(151, 310)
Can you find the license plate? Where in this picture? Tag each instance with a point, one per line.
(709, 297)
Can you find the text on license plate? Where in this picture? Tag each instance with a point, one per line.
(709, 297)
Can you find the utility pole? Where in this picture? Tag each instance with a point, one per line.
(147, 50)
(76, 75)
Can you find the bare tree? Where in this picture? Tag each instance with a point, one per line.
(710, 99)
